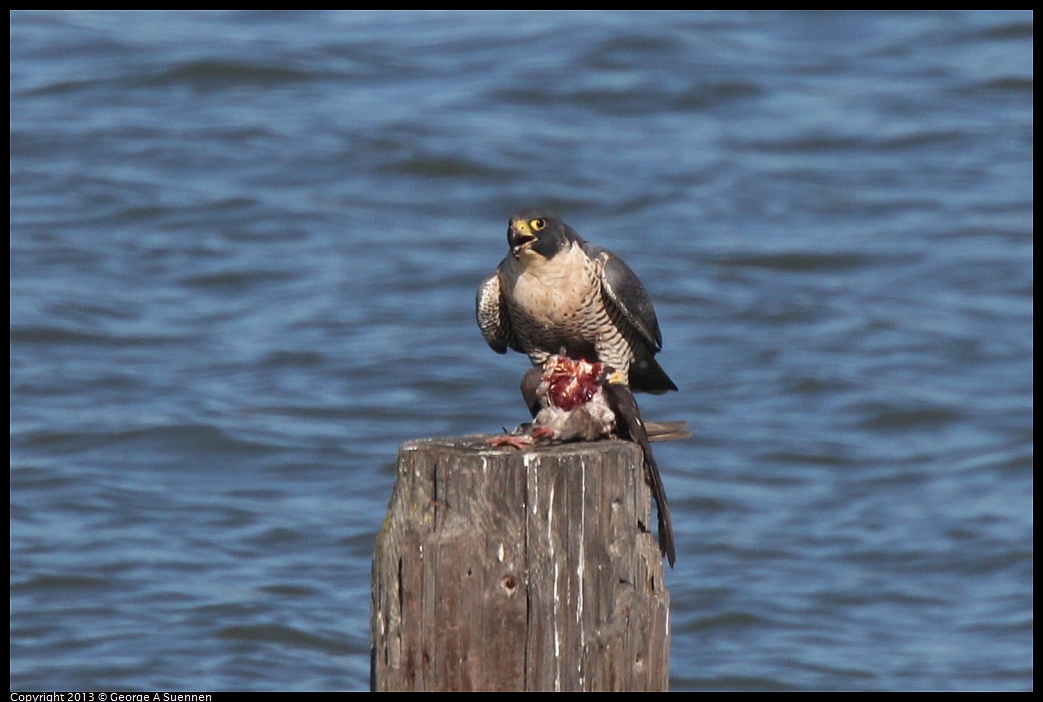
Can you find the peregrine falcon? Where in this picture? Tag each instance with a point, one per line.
(556, 291)
(573, 400)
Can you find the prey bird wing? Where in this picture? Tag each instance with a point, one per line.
(676, 430)
(630, 426)
(573, 400)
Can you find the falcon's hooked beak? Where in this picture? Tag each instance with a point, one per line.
(519, 236)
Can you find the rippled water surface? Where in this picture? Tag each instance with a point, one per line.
(244, 249)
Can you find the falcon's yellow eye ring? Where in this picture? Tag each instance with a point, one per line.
(537, 224)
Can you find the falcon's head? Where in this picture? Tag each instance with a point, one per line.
(535, 233)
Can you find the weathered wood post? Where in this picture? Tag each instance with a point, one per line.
(499, 569)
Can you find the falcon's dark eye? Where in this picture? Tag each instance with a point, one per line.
(538, 224)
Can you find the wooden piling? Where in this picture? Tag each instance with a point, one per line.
(499, 569)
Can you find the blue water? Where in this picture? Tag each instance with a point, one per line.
(244, 248)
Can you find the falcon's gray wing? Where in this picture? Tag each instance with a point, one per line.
(625, 292)
(493, 318)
